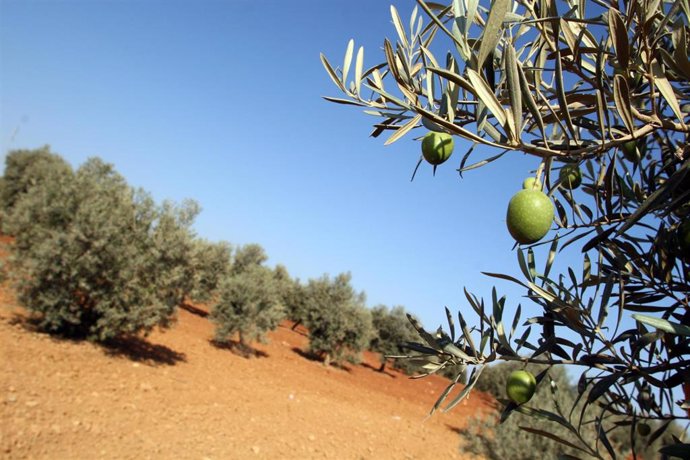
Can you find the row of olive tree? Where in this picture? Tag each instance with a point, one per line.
(95, 258)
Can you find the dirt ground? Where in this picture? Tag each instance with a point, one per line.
(176, 395)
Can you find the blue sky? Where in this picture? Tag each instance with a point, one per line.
(220, 101)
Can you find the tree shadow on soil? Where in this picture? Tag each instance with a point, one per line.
(378, 371)
(130, 347)
(194, 310)
(319, 359)
(299, 329)
(141, 350)
(29, 323)
(239, 349)
(455, 429)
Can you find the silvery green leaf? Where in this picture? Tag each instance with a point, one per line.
(401, 131)
(663, 325)
(487, 96)
(474, 378)
(666, 89)
(621, 97)
(332, 74)
(359, 63)
(492, 30)
(399, 27)
(347, 60)
(514, 90)
(619, 34)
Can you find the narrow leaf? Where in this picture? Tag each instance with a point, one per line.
(487, 96)
(492, 30)
(662, 324)
(347, 60)
(344, 101)
(621, 97)
(680, 450)
(552, 436)
(666, 89)
(451, 324)
(619, 34)
(359, 63)
(474, 378)
(332, 74)
(514, 90)
(404, 129)
(399, 27)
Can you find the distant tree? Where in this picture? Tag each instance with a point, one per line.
(339, 324)
(211, 262)
(391, 330)
(296, 303)
(84, 257)
(249, 303)
(286, 287)
(27, 168)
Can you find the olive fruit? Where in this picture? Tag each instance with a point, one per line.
(570, 176)
(531, 183)
(529, 217)
(643, 429)
(437, 147)
(521, 386)
(630, 152)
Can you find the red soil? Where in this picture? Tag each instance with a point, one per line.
(175, 395)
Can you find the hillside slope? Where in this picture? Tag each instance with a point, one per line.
(176, 395)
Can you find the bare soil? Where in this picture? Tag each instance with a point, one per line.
(176, 395)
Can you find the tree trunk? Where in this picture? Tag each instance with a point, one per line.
(383, 366)
(297, 323)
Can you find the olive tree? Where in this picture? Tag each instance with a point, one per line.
(598, 94)
(84, 258)
(173, 243)
(296, 303)
(249, 302)
(211, 262)
(339, 324)
(392, 330)
(291, 294)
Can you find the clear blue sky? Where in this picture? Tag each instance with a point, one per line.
(220, 101)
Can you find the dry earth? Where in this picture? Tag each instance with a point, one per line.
(176, 395)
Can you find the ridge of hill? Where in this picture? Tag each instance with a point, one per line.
(176, 395)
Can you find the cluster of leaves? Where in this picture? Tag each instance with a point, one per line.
(600, 86)
(92, 256)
